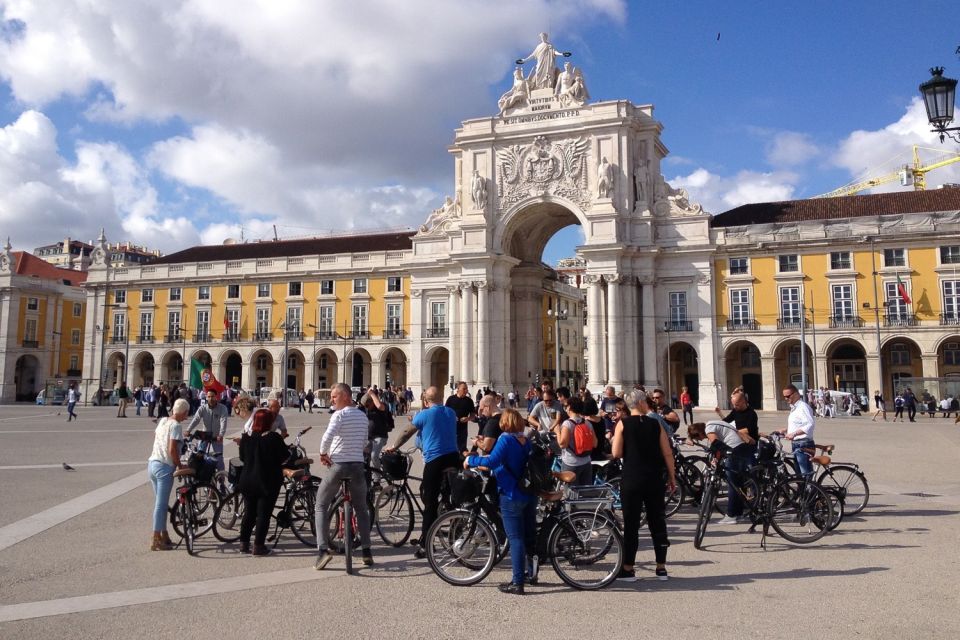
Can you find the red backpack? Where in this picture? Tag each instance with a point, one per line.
(584, 438)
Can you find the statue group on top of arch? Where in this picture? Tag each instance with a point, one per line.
(567, 86)
(441, 218)
(668, 200)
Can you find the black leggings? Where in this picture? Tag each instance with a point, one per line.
(649, 494)
(257, 509)
(687, 411)
(430, 488)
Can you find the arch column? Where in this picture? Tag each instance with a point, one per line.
(615, 330)
(504, 348)
(631, 326)
(768, 372)
(483, 333)
(454, 330)
(467, 352)
(418, 322)
(929, 363)
(595, 322)
(649, 336)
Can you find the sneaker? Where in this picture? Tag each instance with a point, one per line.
(627, 576)
(728, 520)
(420, 553)
(259, 550)
(509, 587)
(366, 557)
(662, 574)
(323, 560)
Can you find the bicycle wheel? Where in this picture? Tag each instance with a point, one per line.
(705, 511)
(856, 491)
(690, 476)
(674, 500)
(836, 501)
(303, 520)
(348, 535)
(206, 498)
(461, 547)
(586, 549)
(800, 511)
(227, 518)
(188, 520)
(394, 514)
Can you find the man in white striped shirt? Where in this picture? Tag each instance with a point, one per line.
(341, 453)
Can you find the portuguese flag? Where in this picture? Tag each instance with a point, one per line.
(902, 290)
(202, 377)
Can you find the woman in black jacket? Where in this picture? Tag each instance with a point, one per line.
(263, 453)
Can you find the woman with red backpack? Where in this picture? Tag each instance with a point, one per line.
(576, 439)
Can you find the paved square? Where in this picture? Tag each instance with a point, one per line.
(74, 558)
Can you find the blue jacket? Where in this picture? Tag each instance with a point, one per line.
(507, 460)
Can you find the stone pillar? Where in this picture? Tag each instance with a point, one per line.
(484, 334)
(650, 373)
(631, 330)
(929, 364)
(417, 329)
(615, 328)
(9, 313)
(596, 371)
(503, 349)
(707, 352)
(454, 331)
(467, 352)
(771, 395)
(874, 379)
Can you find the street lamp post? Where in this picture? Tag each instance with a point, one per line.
(286, 344)
(313, 379)
(126, 352)
(557, 316)
(939, 95)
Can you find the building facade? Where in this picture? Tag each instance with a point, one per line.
(74, 254)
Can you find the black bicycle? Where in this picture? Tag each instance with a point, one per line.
(393, 501)
(197, 501)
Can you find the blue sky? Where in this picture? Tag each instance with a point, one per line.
(176, 123)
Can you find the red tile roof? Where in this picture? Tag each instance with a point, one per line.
(901, 202)
(30, 265)
(394, 241)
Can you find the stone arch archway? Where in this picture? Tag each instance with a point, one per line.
(682, 370)
(744, 370)
(231, 368)
(261, 364)
(27, 377)
(359, 368)
(847, 367)
(326, 364)
(393, 367)
(787, 368)
(143, 369)
(114, 370)
(901, 358)
(295, 368)
(171, 368)
(436, 368)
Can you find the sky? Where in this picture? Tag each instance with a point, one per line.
(178, 123)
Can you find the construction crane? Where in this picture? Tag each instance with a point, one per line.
(907, 175)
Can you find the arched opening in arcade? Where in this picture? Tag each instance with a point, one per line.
(902, 362)
(948, 370)
(171, 368)
(788, 369)
(394, 368)
(847, 367)
(143, 368)
(744, 370)
(232, 369)
(326, 373)
(360, 368)
(114, 373)
(262, 362)
(296, 366)
(27, 378)
(682, 370)
(436, 368)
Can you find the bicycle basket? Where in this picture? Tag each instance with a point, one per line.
(394, 465)
(204, 467)
(766, 451)
(234, 470)
(464, 488)
(590, 493)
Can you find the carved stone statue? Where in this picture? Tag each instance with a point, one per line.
(450, 209)
(544, 75)
(518, 94)
(673, 201)
(478, 190)
(6, 257)
(571, 89)
(640, 183)
(604, 178)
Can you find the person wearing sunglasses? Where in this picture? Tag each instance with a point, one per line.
(800, 425)
(662, 408)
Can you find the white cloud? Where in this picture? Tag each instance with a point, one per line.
(790, 148)
(720, 193)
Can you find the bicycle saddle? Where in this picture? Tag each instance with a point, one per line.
(184, 473)
(821, 460)
(295, 474)
(552, 496)
(565, 477)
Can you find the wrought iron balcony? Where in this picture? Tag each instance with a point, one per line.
(845, 322)
(950, 318)
(144, 339)
(118, 339)
(202, 337)
(326, 335)
(232, 336)
(437, 332)
(678, 325)
(360, 335)
(263, 336)
(294, 335)
(31, 344)
(900, 320)
(788, 323)
(742, 325)
(394, 334)
(74, 373)
(175, 337)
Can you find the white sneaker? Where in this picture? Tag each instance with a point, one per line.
(728, 520)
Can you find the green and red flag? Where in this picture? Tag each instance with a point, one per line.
(902, 289)
(201, 377)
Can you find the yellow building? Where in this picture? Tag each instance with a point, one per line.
(42, 321)
(836, 266)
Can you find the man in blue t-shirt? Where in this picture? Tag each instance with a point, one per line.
(437, 425)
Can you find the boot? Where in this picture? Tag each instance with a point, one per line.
(167, 542)
(157, 544)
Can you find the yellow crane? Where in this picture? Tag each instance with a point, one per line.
(907, 175)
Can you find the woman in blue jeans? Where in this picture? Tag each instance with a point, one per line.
(163, 461)
(519, 510)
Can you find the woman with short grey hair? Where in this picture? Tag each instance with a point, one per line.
(163, 461)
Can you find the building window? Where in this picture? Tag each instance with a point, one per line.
(749, 357)
(77, 309)
(326, 287)
(740, 306)
(33, 304)
(233, 291)
(789, 263)
(74, 362)
(359, 319)
(950, 255)
(233, 323)
(359, 285)
(393, 320)
(894, 258)
(394, 284)
(146, 325)
(790, 305)
(951, 299)
(119, 326)
(840, 260)
(262, 362)
(438, 316)
(294, 319)
(120, 297)
(75, 336)
(899, 354)
(173, 324)
(896, 307)
(323, 361)
(203, 323)
(294, 289)
(30, 330)
(326, 320)
(263, 290)
(678, 306)
(263, 322)
(842, 295)
(739, 266)
(793, 356)
(176, 294)
(146, 295)
(203, 292)
(951, 353)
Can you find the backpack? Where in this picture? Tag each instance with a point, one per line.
(584, 438)
(537, 473)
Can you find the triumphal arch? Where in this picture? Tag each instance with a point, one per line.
(548, 158)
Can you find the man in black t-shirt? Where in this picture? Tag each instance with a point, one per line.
(462, 405)
(743, 416)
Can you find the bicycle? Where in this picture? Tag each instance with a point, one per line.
(344, 536)
(845, 478)
(393, 501)
(191, 515)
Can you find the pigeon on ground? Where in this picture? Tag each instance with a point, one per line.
(67, 467)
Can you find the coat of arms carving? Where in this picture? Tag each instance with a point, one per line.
(543, 167)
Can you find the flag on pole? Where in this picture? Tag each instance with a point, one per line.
(902, 290)
(202, 377)
(226, 323)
